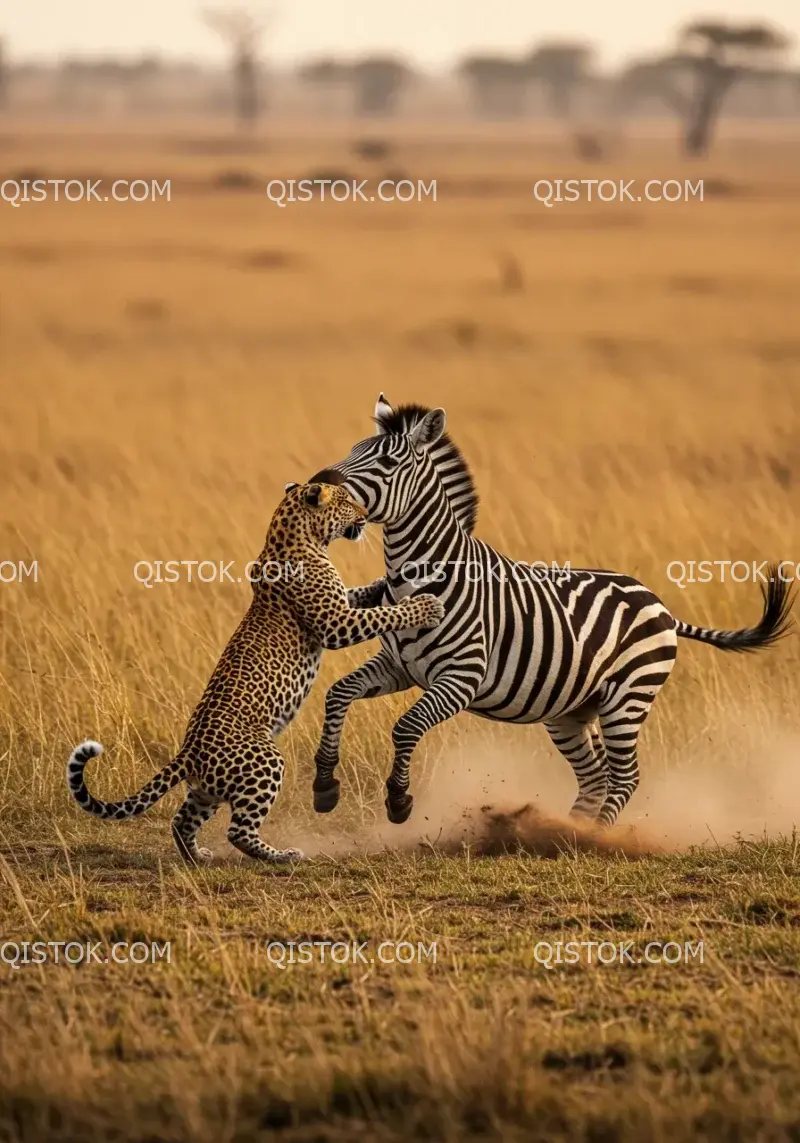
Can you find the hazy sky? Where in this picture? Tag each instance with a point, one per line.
(434, 32)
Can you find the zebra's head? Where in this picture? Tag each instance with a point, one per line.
(392, 471)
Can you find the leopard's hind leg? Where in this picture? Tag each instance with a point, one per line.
(255, 784)
(197, 809)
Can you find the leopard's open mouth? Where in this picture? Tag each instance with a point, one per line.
(354, 531)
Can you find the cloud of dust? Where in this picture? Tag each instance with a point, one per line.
(715, 796)
(495, 799)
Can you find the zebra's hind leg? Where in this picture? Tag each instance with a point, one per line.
(582, 745)
(197, 809)
(620, 726)
(626, 700)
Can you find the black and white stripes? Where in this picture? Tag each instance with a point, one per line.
(583, 652)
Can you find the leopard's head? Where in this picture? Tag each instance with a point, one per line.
(329, 511)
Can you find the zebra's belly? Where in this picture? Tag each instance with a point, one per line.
(409, 652)
(536, 682)
(531, 715)
(415, 665)
(539, 711)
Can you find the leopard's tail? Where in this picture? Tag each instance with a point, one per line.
(160, 784)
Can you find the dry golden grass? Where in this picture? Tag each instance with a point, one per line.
(165, 369)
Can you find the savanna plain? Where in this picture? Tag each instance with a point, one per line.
(624, 379)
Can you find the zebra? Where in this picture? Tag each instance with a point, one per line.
(585, 652)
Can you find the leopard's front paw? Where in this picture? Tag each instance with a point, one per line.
(431, 609)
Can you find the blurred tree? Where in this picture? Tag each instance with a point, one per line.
(497, 85)
(331, 78)
(660, 79)
(105, 82)
(694, 81)
(721, 54)
(241, 30)
(3, 76)
(378, 80)
(562, 67)
(325, 72)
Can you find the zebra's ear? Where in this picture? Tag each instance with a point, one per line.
(429, 429)
(382, 410)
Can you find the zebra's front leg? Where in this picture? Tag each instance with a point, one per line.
(380, 676)
(445, 698)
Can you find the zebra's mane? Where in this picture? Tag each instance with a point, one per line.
(453, 470)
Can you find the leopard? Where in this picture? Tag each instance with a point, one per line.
(300, 607)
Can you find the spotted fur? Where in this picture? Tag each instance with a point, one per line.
(300, 607)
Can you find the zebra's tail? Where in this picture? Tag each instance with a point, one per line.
(775, 621)
(136, 804)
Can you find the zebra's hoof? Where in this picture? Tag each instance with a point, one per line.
(398, 810)
(327, 799)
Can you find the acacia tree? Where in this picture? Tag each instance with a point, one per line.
(241, 30)
(497, 85)
(325, 72)
(378, 81)
(661, 80)
(694, 81)
(562, 67)
(329, 77)
(720, 55)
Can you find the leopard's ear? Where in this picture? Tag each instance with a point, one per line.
(316, 495)
(291, 485)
